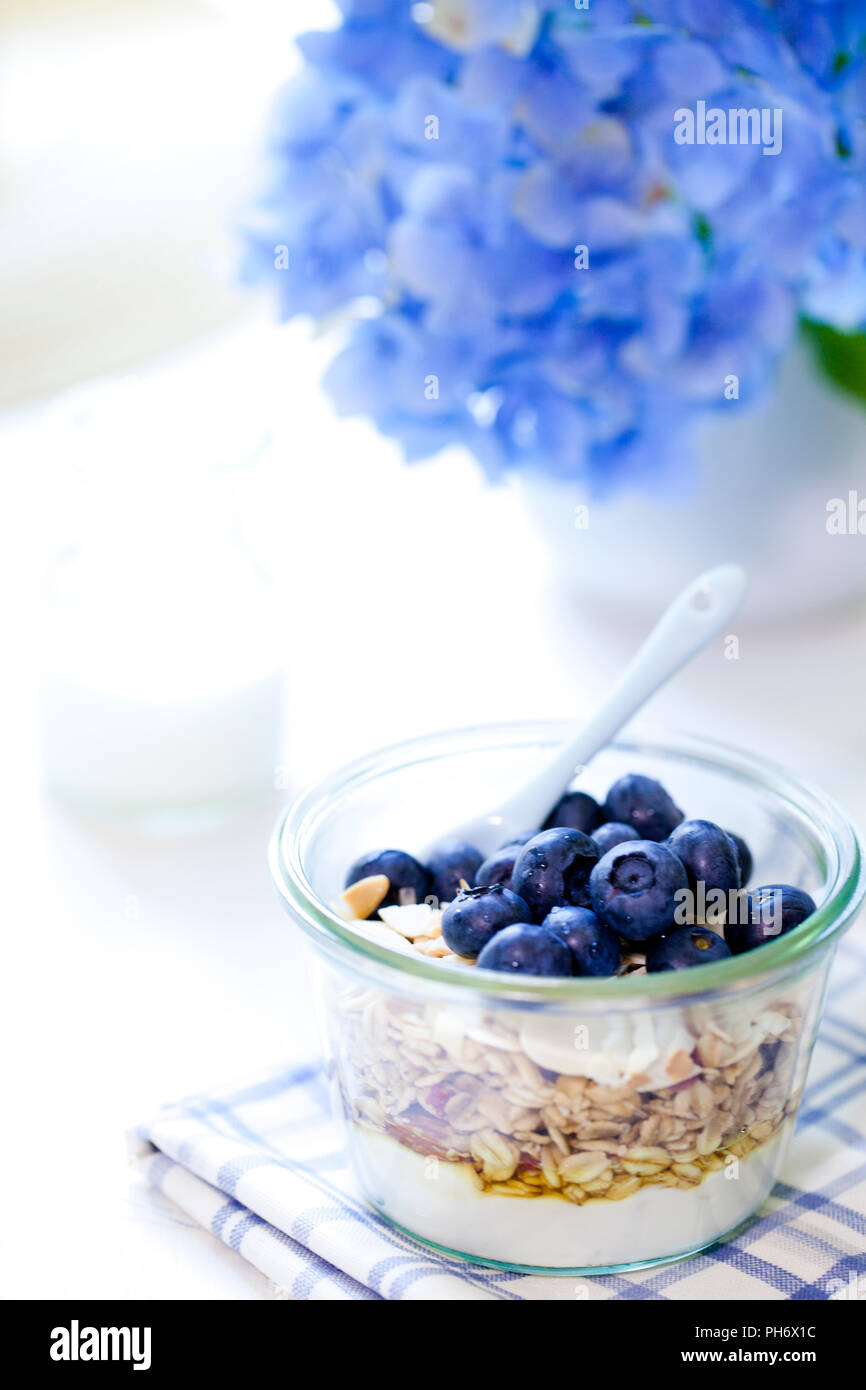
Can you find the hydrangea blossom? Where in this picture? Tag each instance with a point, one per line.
(531, 264)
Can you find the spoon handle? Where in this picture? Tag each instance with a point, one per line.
(698, 614)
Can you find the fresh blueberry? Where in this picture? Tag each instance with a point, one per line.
(553, 868)
(449, 863)
(575, 811)
(644, 804)
(708, 855)
(499, 867)
(476, 914)
(612, 833)
(595, 949)
(527, 949)
(406, 877)
(634, 887)
(684, 947)
(744, 854)
(765, 914)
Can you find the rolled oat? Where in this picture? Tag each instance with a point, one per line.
(472, 1096)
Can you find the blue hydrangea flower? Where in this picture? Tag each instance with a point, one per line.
(492, 194)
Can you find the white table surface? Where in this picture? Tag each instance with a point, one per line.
(139, 969)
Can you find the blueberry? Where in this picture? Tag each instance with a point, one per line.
(644, 804)
(684, 947)
(765, 914)
(575, 811)
(499, 867)
(527, 949)
(404, 874)
(595, 949)
(448, 864)
(708, 855)
(476, 914)
(744, 854)
(553, 868)
(633, 888)
(613, 832)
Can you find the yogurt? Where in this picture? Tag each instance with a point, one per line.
(441, 1203)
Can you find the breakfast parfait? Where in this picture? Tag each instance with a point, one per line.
(605, 1100)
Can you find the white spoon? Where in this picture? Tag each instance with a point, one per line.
(702, 609)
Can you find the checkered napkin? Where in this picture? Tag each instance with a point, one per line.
(264, 1168)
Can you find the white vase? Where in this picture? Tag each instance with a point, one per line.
(763, 498)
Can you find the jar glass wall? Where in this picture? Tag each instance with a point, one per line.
(574, 1125)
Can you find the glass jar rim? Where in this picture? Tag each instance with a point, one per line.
(774, 959)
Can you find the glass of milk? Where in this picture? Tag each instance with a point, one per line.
(162, 683)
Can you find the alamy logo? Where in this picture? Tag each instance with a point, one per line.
(738, 126)
(75, 1343)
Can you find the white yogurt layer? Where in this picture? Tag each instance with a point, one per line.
(440, 1202)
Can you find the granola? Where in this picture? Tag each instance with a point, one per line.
(465, 1090)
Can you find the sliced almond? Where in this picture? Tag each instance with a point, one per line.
(364, 897)
(411, 921)
(431, 946)
(680, 1066)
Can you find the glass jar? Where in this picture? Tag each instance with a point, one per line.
(565, 1125)
(162, 661)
